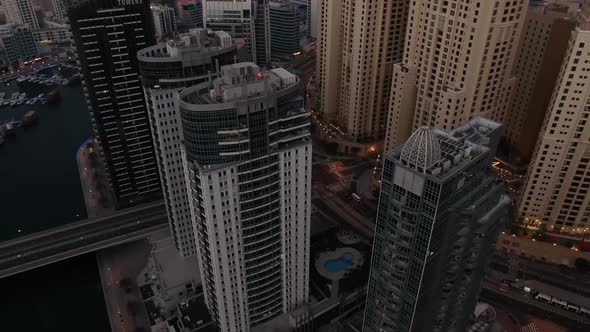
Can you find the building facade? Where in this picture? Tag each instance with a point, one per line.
(247, 19)
(21, 12)
(248, 153)
(18, 44)
(359, 43)
(543, 44)
(191, 14)
(555, 192)
(164, 21)
(284, 30)
(440, 212)
(457, 65)
(329, 46)
(166, 69)
(60, 7)
(312, 18)
(107, 35)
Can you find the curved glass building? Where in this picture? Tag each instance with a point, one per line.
(166, 69)
(248, 153)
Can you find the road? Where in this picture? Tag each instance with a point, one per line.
(116, 263)
(80, 237)
(25, 69)
(548, 273)
(517, 301)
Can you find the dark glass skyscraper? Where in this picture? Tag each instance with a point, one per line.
(107, 35)
(437, 224)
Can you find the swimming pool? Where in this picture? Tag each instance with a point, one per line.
(339, 264)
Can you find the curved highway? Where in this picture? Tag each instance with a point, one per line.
(59, 243)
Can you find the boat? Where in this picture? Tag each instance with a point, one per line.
(41, 95)
(10, 129)
(30, 118)
(14, 95)
(54, 96)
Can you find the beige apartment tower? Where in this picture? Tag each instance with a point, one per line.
(457, 65)
(542, 47)
(359, 41)
(555, 192)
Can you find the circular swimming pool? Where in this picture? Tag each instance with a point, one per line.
(339, 264)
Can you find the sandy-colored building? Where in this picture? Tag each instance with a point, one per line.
(358, 44)
(556, 186)
(541, 51)
(457, 65)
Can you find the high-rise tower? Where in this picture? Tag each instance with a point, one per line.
(358, 44)
(107, 35)
(247, 19)
(164, 21)
(542, 48)
(457, 65)
(21, 11)
(555, 193)
(440, 212)
(166, 69)
(248, 153)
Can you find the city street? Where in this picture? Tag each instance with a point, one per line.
(519, 306)
(116, 264)
(548, 273)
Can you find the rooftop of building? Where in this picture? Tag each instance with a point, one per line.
(195, 43)
(440, 153)
(194, 315)
(239, 81)
(158, 7)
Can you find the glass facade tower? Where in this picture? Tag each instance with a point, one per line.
(437, 224)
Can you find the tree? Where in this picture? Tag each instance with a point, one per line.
(133, 308)
(126, 284)
(582, 265)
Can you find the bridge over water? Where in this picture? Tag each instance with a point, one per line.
(46, 247)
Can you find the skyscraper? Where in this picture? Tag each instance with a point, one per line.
(542, 48)
(166, 69)
(18, 43)
(312, 18)
(247, 19)
(107, 36)
(21, 11)
(60, 7)
(284, 30)
(358, 45)
(440, 212)
(191, 13)
(164, 21)
(248, 150)
(457, 65)
(328, 62)
(555, 193)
